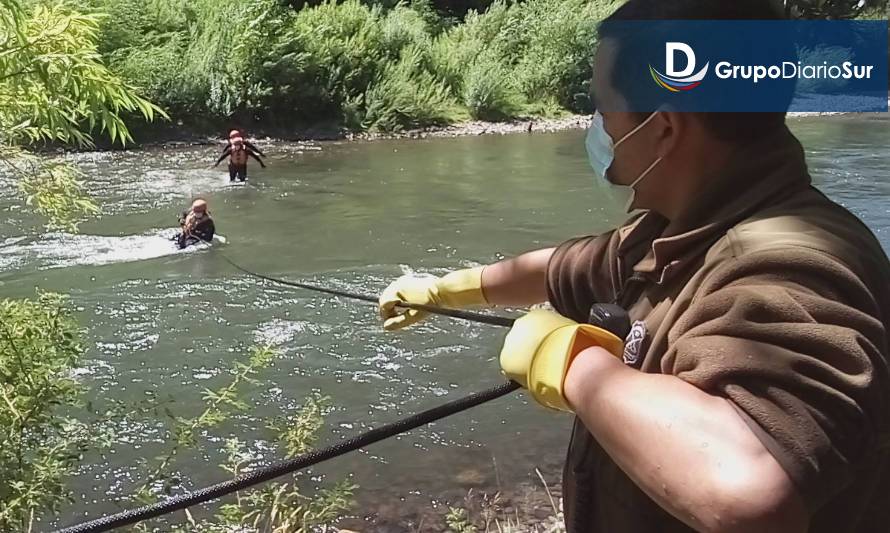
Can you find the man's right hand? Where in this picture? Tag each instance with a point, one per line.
(459, 289)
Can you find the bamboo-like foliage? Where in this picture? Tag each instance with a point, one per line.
(54, 87)
(53, 84)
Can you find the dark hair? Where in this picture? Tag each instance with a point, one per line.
(726, 126)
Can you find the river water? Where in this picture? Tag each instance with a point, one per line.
(351, 216)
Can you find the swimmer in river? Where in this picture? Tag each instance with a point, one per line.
(196, 225)
(238, 151)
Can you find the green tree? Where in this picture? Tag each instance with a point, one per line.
(55, 88)
(278, 507)
(38, 449)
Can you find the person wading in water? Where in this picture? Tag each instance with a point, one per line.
(196, 225)
(238, 152)
(240, 133)
(752, 392)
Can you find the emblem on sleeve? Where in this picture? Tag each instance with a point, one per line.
(633, 345)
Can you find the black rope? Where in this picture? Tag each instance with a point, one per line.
(261, 475)
(453, 313)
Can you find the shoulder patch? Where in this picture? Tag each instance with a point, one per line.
(633, 344)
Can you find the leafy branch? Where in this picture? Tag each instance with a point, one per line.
(219, 405)
(55, 88)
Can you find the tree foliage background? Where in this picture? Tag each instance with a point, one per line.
(54, 87)
(360, 65)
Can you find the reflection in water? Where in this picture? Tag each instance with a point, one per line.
(352, 216)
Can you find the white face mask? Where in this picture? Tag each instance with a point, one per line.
(601, 153)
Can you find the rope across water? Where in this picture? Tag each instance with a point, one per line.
(261, 475)
(453, 313)
(267, 473)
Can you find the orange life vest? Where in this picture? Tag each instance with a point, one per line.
(239, 154)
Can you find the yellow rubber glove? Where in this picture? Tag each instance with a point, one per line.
(456, 290)
(540, 348)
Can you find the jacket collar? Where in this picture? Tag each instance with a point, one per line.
(757, 175)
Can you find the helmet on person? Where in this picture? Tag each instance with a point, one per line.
(234, 133)
(199, 205)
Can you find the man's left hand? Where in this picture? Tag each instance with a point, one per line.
(540, 348)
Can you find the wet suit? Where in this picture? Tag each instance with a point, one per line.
(238, 160)
(202, 231)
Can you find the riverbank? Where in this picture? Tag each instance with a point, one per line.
(530, 125)
(179, 135)
(532, 506)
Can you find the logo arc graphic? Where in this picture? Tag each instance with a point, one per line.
(679, 84)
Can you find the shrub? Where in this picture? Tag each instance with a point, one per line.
(339, 48)
(39, 447)
(279, 507)
(403, 27)
(490, 90)
(554, 58)
(406, 96)
(345, 61)
(158, 71)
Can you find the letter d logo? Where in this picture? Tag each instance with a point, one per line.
(671, 50)
(676, 81)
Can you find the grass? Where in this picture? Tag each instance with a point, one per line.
(483, 513)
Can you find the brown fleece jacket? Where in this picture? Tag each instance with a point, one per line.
(767, 294)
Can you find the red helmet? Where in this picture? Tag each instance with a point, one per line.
(234, 133)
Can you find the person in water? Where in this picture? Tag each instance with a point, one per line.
(196, 224)
(240, 133)
(238, 151)
(752, 392)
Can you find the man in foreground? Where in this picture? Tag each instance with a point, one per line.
(753, 389)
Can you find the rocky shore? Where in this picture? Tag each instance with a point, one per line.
(180, 136)
(177, 135)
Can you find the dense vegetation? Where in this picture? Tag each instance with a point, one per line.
(362, 65)
(358, 65)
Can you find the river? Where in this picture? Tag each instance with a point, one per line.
(353, 216)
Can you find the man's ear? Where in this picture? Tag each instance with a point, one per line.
(669, 127)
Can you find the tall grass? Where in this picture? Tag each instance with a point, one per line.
(364, 65)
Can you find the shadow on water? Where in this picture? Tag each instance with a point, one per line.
(353, 216)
